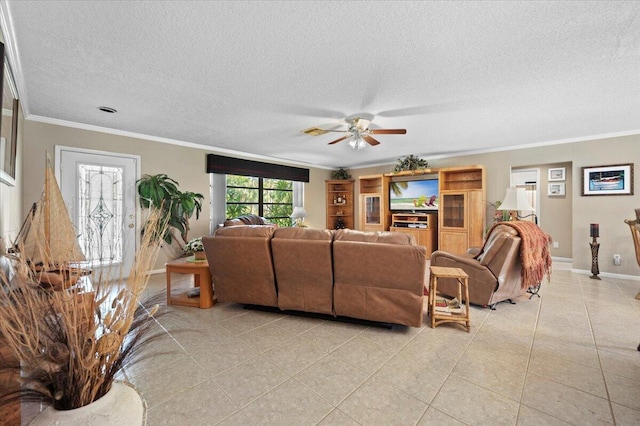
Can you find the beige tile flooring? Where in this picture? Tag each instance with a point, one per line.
(566, 358)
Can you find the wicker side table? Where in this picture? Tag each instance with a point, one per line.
(463, 281)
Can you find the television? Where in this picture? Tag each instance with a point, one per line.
(414, 195)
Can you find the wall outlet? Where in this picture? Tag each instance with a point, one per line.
(617, 260)
(556, 244)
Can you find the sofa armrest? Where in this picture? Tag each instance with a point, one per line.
(465, 260)
(474, 251)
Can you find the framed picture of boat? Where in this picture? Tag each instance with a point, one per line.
(557, 174)
(556, 189)
(608, 180)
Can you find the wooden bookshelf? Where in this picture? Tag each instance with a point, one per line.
(340, 203)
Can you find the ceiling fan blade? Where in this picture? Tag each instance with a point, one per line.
(371, 141)
(388, 131)
(340, 139)
(317, 131)
(314, 131)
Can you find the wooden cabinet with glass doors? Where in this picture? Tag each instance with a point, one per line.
(374, 211)
(340, 204)
(462, 209)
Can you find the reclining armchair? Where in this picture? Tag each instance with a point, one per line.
(494, 273)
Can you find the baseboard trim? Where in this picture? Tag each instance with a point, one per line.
(156, 271)
(608, 275)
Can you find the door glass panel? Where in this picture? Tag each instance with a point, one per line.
(100, 210)
(453, 210)
(372, 215)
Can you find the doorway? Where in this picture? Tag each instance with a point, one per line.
(99, 190)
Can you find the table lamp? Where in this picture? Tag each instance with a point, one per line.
(298, 216)
(515, 200)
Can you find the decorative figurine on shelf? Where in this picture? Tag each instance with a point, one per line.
(595, 233)
(339, 223)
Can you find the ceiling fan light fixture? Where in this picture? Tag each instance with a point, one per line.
(362, 124)
(357, 143)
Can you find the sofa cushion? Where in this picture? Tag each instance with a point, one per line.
(254, 231)
(302, 260)
(378, 276)
(241, 264)
(296, 233)
(494, 243)
(383, 237)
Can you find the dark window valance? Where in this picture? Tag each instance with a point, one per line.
(239, 166)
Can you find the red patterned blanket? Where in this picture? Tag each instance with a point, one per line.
(534, 251)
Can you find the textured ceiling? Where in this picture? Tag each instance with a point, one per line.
(248, 76)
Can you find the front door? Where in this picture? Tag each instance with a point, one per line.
(99, 190)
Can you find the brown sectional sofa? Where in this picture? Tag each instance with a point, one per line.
(376, 276)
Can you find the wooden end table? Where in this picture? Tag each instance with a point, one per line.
(463, 281)
(201, 278)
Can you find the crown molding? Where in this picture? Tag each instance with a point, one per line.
(208, 148)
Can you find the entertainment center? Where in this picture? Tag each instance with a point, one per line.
(444, 209)
(423, 227)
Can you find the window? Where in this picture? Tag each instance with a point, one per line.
(270, 198)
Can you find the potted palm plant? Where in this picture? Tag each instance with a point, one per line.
(176, 207)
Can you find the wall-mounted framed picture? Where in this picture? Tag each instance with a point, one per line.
(557, 174)
(608, 180)
(556, 189)
(9, 124)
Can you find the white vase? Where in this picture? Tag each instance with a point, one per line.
(122, 405)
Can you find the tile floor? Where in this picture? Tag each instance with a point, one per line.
(568, 357)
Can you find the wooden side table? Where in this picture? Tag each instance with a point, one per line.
(201, 278)
(463, 281)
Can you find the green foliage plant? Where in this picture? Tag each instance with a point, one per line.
(410, 163)
(340, 174)
(176, 207)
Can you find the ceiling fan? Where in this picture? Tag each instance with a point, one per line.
(358, 134)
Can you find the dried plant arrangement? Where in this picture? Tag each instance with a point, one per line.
(70, 344)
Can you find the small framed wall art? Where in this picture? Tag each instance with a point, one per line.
(608, 180)
(557, 174)
(556, 189)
